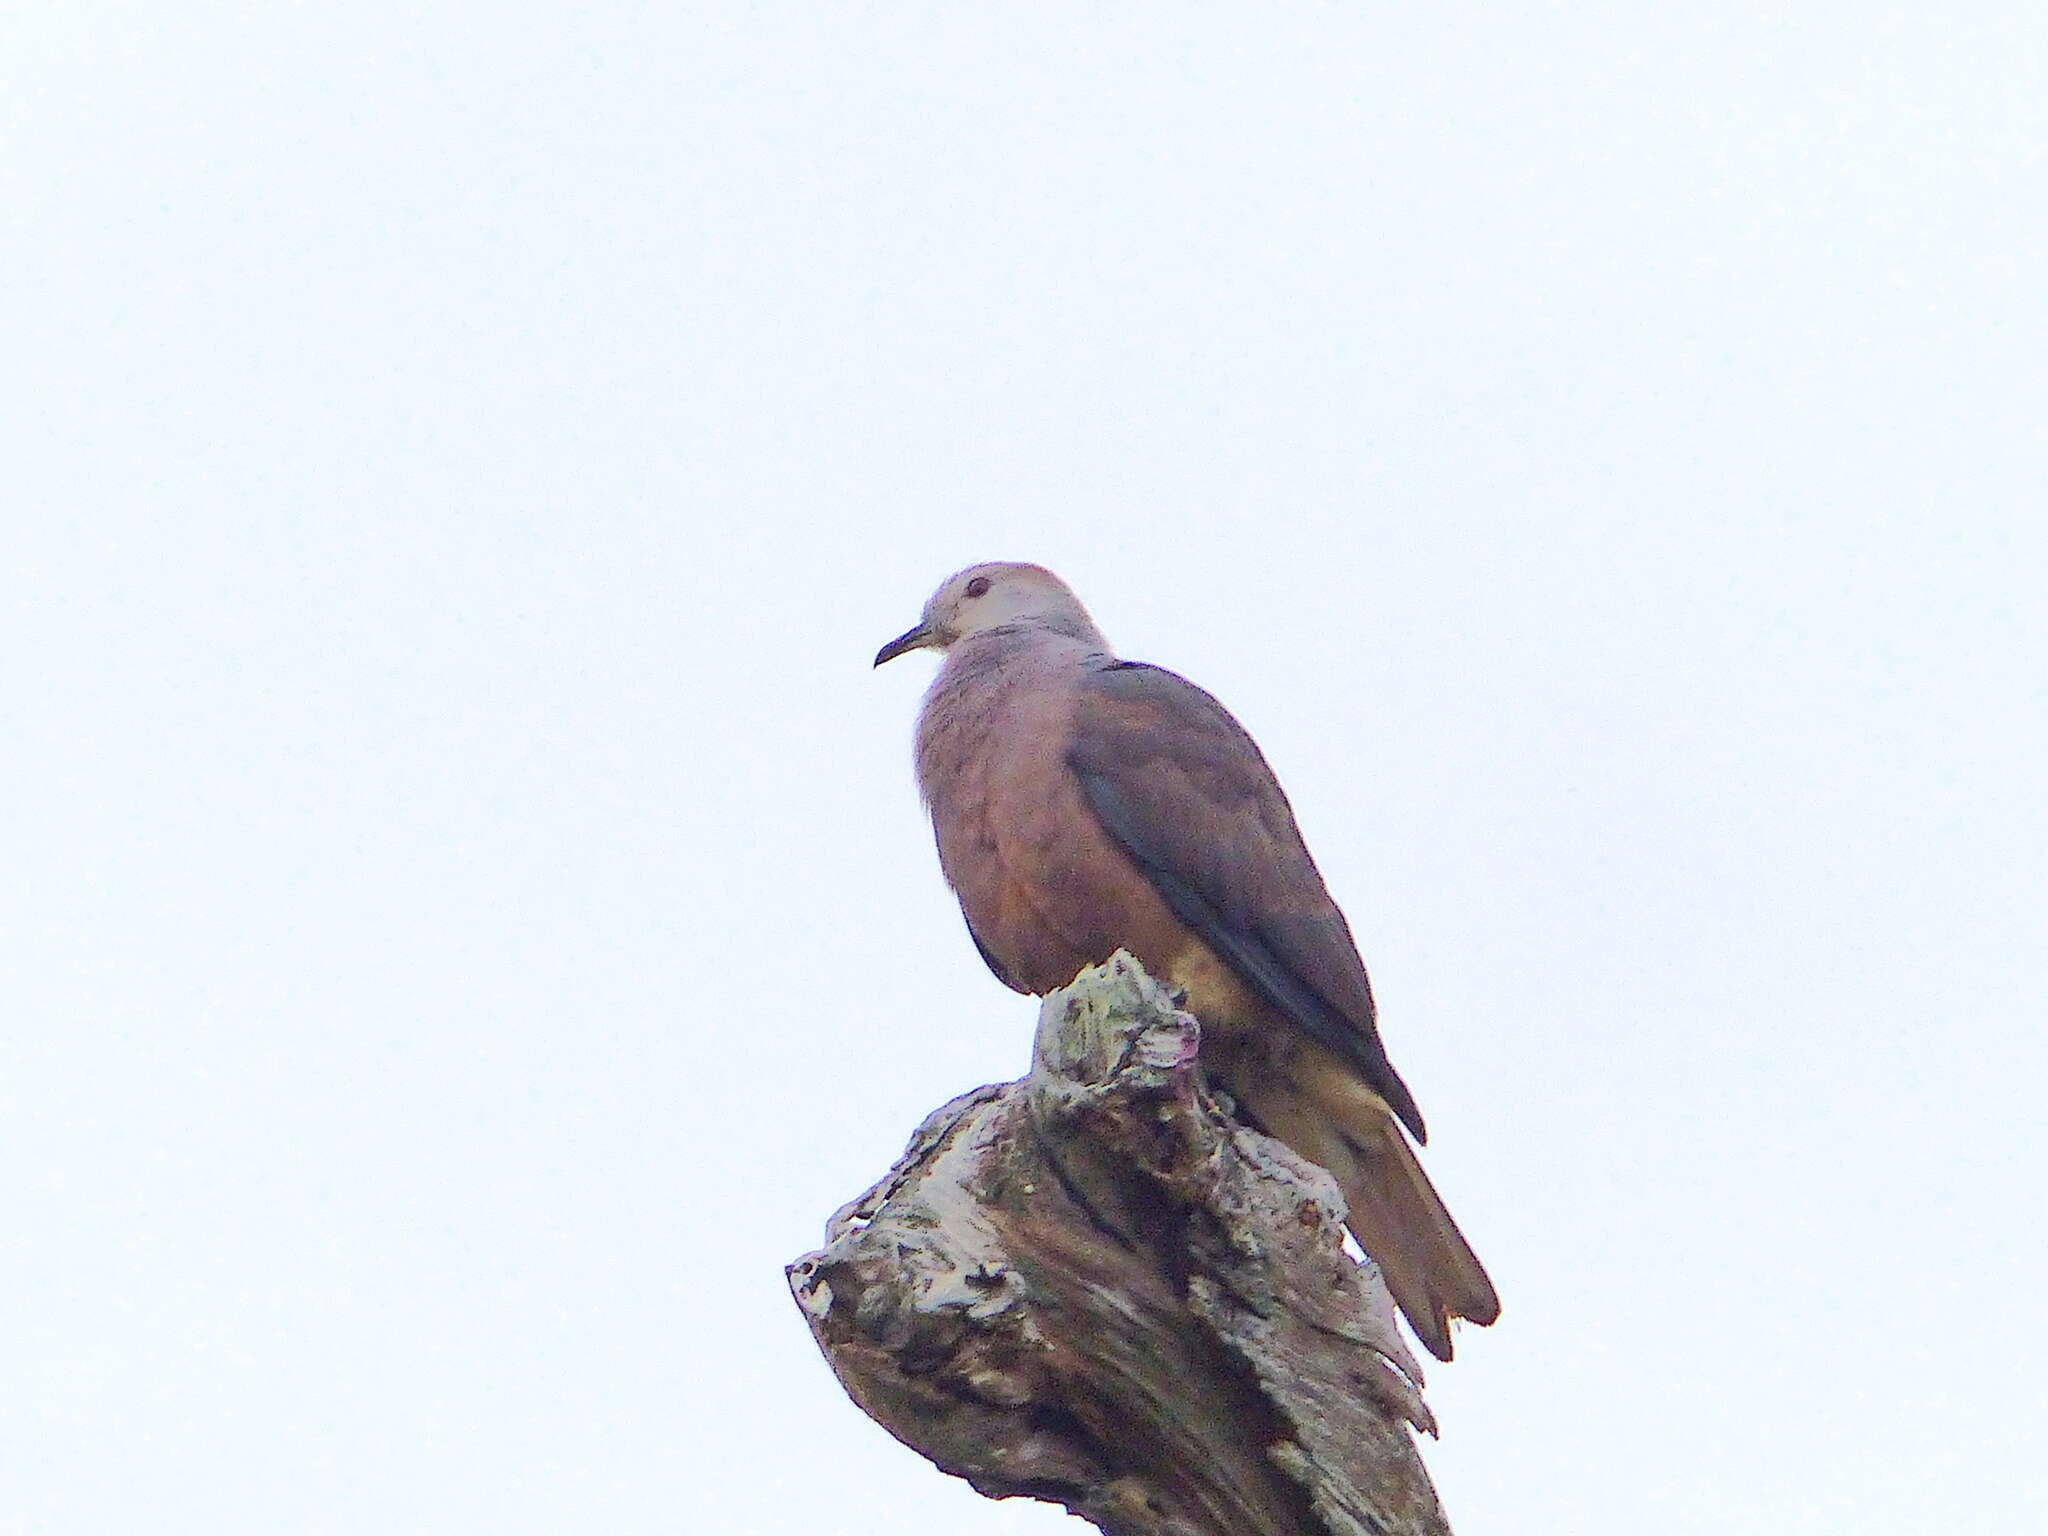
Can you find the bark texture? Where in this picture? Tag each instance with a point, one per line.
(1095, 1287)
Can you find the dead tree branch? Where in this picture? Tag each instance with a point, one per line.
(1094, 1287)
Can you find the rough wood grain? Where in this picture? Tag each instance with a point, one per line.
(1094, 1287)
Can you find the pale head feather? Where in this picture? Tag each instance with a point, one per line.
(1001, 592)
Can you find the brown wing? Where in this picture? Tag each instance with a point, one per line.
(1184, 791)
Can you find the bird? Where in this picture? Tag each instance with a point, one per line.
(1084, 804)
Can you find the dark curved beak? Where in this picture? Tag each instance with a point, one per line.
(910, 640)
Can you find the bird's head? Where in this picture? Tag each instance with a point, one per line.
(986, 596)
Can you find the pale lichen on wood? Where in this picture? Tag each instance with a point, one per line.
(1095, 1287)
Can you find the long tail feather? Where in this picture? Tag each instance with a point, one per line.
(1324, 1112)
(1401, 1222)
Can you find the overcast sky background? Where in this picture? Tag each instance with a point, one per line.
(469, 919)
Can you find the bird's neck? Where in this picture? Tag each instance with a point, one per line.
(995, 682)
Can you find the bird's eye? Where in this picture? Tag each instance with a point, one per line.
(978, 587)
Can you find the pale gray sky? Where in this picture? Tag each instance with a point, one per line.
(470, 920)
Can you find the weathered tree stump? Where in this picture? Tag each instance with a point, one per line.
(1094, 1287)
